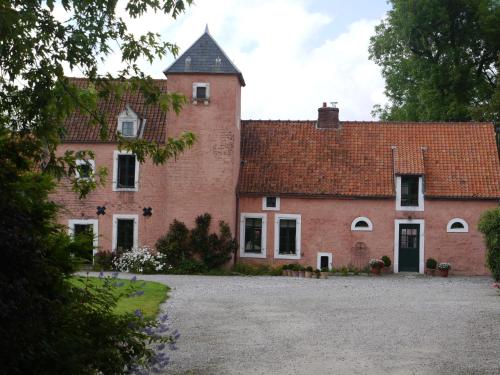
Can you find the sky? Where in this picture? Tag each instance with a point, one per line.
(294, 54)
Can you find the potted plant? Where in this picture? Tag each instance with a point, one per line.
(376, 266)
(302, 271)
(316, 273)
(324, 273)
(285, 270)
(444, 268)
(290, 269)
(295, 270)
(309, 272)
(430, 266)
(387, 264)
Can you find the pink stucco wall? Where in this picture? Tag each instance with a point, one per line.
(202, 179)
(326, 227)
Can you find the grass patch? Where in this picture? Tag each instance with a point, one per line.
(149, 303)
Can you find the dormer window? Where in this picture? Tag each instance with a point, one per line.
(271, 203)
(128, 123)
(409, 193)
(201, 92)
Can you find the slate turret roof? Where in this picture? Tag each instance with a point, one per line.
(204, 56)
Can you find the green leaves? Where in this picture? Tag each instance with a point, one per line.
(439, 60)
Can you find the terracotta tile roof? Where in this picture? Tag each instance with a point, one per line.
(408, 159)
(78, 129)
(460, 160)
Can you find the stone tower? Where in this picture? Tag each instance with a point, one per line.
(204, 178)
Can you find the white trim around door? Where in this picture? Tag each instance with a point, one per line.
(95, 230)
(421, 253)
(330, 260)
(134, 217)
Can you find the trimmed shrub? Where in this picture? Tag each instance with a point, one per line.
(175, 244)
(386, 260)
(489, 225)
(431, 263)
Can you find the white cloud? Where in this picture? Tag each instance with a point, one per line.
(289, 69)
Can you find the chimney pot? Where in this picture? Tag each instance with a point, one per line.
(324, 104)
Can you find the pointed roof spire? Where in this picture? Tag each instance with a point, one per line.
(204, 56)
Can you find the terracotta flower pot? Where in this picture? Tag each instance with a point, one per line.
(376, 271)
(308, 274)
(295, 273)
(430, 271)
(302, 273)
(284, 273)
(444, 273)
(324, 275)
(289, 272)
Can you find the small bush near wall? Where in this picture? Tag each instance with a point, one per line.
(489, 225)
(103, 261)
(140, 260)
(196, 250)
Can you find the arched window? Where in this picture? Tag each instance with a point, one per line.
(457, 225)
(361, 224)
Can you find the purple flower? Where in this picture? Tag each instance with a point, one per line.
(138, 313)
(133, 279)
(101, 275)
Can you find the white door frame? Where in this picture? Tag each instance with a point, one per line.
(421, 253)
(330, 260)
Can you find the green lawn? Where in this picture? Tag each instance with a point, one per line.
(149, 303)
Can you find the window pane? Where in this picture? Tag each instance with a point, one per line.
(128, 128)
(124, 234)
(201, 92)
(361, 224)
(287, 243)
(253, 235)
(271, 202)
(457, 225)
(84, 170)
(126, 171)
(409, 190)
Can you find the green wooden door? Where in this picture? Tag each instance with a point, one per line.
(409, 235)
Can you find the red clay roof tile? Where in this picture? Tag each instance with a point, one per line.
(460, 160)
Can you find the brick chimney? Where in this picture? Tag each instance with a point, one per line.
(328, 117)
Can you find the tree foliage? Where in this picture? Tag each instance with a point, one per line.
(440, 60)
(45, 327)
(489, 225)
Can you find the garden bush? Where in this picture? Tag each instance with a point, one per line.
(489, 225)
(386, 260)
(103, 260)
(196, 250)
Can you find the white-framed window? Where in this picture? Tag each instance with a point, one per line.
(201, 92)
(361, 224)
(253, 235)
(85, 226)
(128, 123)
(409, 193)
(457, 225)
(271, 203)
(84, 168)
(125, 171)
(125, 231)
(287, 228)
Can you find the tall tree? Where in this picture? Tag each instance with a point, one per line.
(45, 325)
(440, 60)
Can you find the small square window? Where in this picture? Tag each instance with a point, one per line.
(201, 92)
(128, 129)
(271, 203)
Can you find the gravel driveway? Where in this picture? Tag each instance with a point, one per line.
(343, 325)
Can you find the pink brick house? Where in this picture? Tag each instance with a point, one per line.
(321, 193)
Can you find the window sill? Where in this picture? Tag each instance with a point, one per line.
(409, 208)
(252, 255)
(125, 189)
(204, 101)
(286, 256)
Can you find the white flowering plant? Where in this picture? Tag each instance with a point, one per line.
(140, 260)
(444, 266)
(376, 263)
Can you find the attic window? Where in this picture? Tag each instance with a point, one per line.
(271, 203)
(128, 122)
(201, 92)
